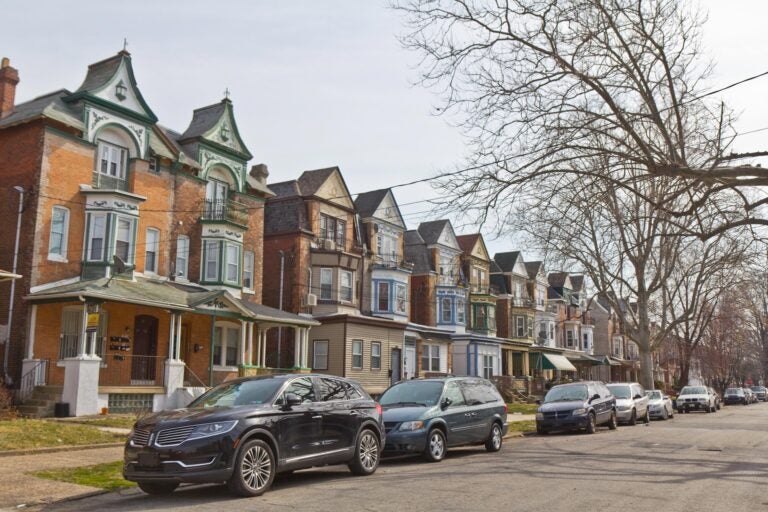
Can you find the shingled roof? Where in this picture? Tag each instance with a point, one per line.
(416, 252)
(533, 268)
(557, 279)
(430, 231)
(506, 260)
(99, 73)
(311, 181)
(367, 203)
(467, 242)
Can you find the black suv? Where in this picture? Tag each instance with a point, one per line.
(575, 406)
(246, 430)
(428, 415)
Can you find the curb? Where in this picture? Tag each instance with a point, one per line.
(35, 451)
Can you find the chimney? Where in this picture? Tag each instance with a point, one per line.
(260, 172)
(9, 77)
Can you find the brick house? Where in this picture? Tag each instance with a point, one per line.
(314, 233)
(141, 247)
(618, 353)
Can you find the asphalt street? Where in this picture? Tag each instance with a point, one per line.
(696, 461)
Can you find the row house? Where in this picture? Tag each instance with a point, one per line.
(340, 262)
(438, 300)
(141, 246)
(619, 354)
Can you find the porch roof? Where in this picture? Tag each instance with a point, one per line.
(557, 362)
(167, 295)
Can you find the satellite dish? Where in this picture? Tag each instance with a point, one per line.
(119, 264)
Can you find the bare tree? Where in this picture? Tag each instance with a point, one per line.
(543, 87)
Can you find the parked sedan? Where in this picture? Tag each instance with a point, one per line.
(427, 416)
(735, 396)
(575, 406)
(659, 405)
(245, 431)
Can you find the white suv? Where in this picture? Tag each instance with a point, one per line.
(631, 402)
(695, 398)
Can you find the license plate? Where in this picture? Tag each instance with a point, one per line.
(149, 460)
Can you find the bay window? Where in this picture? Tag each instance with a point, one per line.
(97, 231)
(124, 239)
(211, 254)
(400, 298)
(233, 264)
(445, 310)
(346, 285)
(383, 296)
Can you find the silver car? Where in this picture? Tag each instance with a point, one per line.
(631, 402)
(659, 405)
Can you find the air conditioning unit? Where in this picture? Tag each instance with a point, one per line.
(311, 299)
(329, 245)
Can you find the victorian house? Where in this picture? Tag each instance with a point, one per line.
(324, 261)
(619, 354)
(141, 246)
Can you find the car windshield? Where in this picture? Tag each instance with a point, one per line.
(654, 395)
(566, 394)
(413, 392)
(621, 391)
(734, 391)
(693, 390)
(249, 392)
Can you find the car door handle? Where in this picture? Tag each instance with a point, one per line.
(354, 413)
(467, 414)
(317, 417)
(474, 414)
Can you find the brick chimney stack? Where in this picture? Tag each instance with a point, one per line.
(9, 77)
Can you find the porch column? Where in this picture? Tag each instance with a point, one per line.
(177, 354)
(296, 346)
(31, 332)
(250, 343)
(172, 337)
(305, 351)
(82, 348)
(241, 345)
(263, 348)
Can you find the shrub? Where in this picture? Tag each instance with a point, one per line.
(7, 410)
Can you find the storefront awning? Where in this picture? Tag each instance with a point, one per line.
(585, 359)
(557, 362)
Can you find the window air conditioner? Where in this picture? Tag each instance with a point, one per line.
(329, 245)
(311, 299)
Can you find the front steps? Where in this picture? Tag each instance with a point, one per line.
(41, 403)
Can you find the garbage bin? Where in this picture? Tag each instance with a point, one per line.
(61, 410)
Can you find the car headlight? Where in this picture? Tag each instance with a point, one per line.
(579, 412)
(539, 415)
(211, 429)
(408, 426)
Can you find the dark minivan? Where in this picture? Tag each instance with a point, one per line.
(429, 415)
(246, 430)
(575, 406)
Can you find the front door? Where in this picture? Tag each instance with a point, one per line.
(395, 364)
(144, 357)
(409, 363)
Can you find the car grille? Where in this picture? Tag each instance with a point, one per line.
(173, 436)
(389, 425)
(140, 437)
(556, 415)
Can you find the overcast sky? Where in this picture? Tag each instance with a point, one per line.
(314, 83)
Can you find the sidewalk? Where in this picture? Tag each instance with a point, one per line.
(20, 488)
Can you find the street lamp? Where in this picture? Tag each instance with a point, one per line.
(7, 350)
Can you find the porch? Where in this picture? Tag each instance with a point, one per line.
(127, 345)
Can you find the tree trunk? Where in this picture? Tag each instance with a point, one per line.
(646, 368)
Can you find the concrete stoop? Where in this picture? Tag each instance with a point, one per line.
(41, 403)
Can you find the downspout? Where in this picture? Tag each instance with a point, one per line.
(280, 307)
(213, 344)
(7, 348)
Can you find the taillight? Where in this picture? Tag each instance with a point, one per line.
(378, 408)
(505, 408)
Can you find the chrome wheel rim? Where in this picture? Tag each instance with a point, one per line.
(496, 437)
(256, 468)
(369, 451)
(436, 445)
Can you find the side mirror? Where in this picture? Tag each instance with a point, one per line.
(638, 396)
(445, 403)
(291, 399)
(596, 396)
(538, 402)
